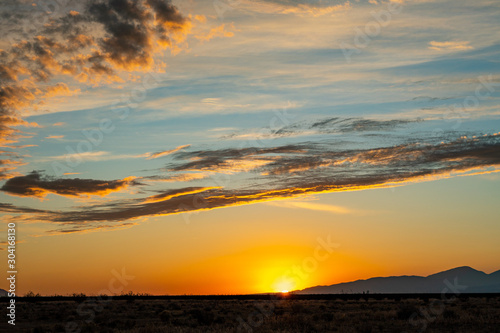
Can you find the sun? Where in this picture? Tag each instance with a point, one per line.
(284, 285)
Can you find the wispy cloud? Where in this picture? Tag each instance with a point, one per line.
(217, 32)
(326, 125)
(301, 7)
(450, 46)
(94, 156)
(183, 177)
(10, 208)
(166, 152)
(311, 206)
(88, 229)
(3, 245)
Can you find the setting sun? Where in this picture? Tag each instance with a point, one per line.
(284, 285)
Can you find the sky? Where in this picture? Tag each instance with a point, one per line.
(247, 146)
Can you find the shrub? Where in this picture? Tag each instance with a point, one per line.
(32, 294)
(174, 306)
(165, 316)
(449, 314)
(203, 317)
(405, 311)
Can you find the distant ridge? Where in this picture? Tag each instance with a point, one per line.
(3, 293)
(475, 282)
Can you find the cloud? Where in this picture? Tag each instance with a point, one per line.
(220, 31)
(450, 46)
(91, 45)
(88, 229)
(472, 63)
(55, 137)
(170, 194)
(10, 208)
(166, 152)
(184, 177)
(327, 125)
(94, 156)
(36, 184)
(312, 10)
(11, 99)
(60, 89)
(301, 7)
(324, 167)
(132, 28)
(228, 160)
(8, 165)
(201, 18)
(5, 244)
(311, 206)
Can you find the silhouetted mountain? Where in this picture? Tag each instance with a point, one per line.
(465, 279)
(496, 275)
(3, 293)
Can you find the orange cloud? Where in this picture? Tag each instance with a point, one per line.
(217, 32)
(7, 165)
(200, 18)
(60, 89)
(168, 195)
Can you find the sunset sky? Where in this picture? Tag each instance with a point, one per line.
(247, 146)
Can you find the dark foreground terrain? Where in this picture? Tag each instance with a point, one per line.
(292, 313)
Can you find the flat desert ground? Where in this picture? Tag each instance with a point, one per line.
(265, 314)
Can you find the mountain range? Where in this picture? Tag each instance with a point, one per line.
(465, 279)
(468, 279)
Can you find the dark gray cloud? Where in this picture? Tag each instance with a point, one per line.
(9, 208)
(330, 125)
(36, 184)
(129, 26)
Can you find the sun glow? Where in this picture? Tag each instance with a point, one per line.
(284, 285)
